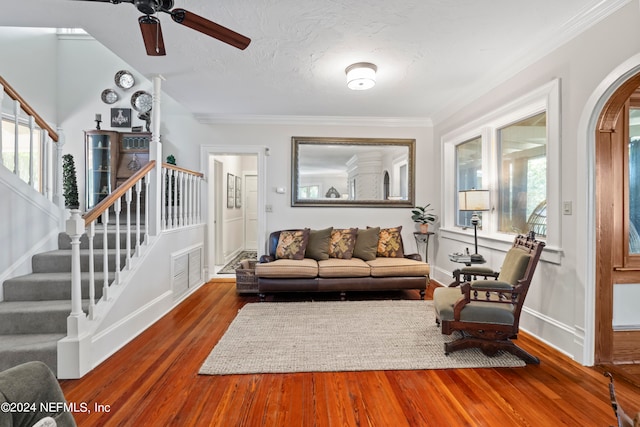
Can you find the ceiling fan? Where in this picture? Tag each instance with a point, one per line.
(152, 32)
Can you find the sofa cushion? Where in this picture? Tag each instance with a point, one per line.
(336, 267)
(343, 241)
(287, 268)
(367, 243)
(397, 267)
(292, 244)
(390, 243)
(318, 244)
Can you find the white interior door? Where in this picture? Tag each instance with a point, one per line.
(251, 212)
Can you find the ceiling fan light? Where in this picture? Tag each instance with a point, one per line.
(361, 76)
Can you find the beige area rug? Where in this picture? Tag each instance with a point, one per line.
(284, 337)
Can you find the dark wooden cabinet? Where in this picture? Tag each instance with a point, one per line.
(110, 159)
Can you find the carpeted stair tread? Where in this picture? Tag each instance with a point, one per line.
(32, 317)
(17, 349)
(64, 241)
(49, 286)
(59, 260)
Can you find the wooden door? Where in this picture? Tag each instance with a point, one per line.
(251, 212)
(617, 262)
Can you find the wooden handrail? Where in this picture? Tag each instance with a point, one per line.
(179, 169)
(27, 109)
(105, 203)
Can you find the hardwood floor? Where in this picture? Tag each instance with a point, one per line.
(154, 381)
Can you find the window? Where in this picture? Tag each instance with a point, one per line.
(514, 152)
(469, 173)
(523, 173)
(27, 159)
(309, 192)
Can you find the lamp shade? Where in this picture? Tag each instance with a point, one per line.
(361, 76)
(473, 200)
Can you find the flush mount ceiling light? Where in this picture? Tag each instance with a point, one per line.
(361, 76)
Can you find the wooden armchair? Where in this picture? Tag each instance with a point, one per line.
(487, 312)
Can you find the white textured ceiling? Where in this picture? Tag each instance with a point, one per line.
(431, 54)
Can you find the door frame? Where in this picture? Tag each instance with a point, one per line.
(207, 154)
(586, 197)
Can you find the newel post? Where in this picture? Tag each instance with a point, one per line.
(77, 318)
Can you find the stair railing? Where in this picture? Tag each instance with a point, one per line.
(180, 205)
(181, 197)
(38, 162)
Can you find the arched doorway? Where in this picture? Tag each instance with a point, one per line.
(616, 265)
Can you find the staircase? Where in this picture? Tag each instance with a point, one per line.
(33, 315)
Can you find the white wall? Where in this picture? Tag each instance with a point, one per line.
(277, 138)
(555, 307)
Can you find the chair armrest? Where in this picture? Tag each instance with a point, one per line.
(460, 274)
(491, 285)
(415, 257)
(266, 258)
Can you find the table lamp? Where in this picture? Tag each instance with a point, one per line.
(475, 201)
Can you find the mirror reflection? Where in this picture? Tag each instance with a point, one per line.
(352, 171)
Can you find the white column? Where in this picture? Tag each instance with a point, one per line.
(155, 153)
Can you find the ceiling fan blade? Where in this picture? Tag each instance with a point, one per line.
(152, 35)
(209, 28)
(109, 1)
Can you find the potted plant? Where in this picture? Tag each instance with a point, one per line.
(69, 182)
(423, 215)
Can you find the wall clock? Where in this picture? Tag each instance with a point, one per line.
(124, 79)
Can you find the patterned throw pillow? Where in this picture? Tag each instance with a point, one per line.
(292, 244)
(390, 243)
(342, 243)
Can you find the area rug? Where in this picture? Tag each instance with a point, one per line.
(282, 337)
(230, 267)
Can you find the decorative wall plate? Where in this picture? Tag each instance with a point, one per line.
(124, 79)
(141, 101)
(109, 96)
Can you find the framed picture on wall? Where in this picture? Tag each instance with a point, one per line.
(238, 192)
(231, 193)
(121, 117)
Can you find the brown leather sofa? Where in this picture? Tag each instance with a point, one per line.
(339, 275)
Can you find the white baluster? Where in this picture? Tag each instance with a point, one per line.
(128, 228)
(170, 184)
(16, 153)
(138, 189)
(147, 182)
(1, 99)
(92, 273)
(105, 255)
(117, 207)
(180, 198)
(32, 125)
(163, 199)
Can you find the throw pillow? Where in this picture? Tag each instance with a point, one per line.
(318, 244)
(343, 241)
(292, 244)
(390, 243)
(367, 244)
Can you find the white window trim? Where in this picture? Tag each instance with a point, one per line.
(546, 98)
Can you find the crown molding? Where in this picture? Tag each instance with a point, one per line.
(314, 120)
